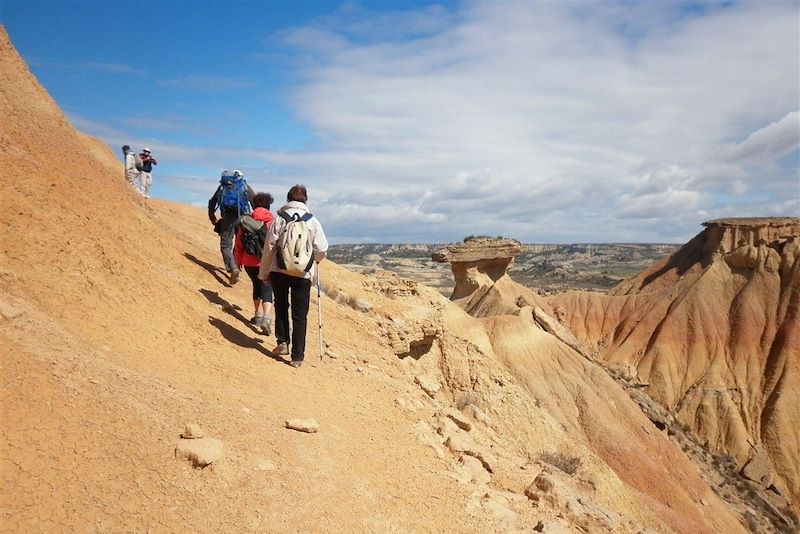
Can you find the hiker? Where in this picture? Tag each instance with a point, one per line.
(131, 172)
(232, 198)
(248, 250)
(146, 162)
(295, 245)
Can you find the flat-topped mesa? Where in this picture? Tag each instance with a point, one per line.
(754, 243)
(732, 233)
(477, 262)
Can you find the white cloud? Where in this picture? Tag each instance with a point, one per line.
(770, 142)
(536, 120)
(579, 115)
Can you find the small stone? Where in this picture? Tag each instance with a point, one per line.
(200, 452)
(362, 305)
(550, 527)
(360, 369)
(94, 381)
(428, 384)
(245, 409)
(303, 425)
(9, 311)
(193, 431)
(262, 464)
(331, 354)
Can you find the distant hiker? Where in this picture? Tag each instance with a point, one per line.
(296, 243)
(251, 237)
(131, 172)
(145, 162)
(232, 198)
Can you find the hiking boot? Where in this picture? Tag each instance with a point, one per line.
(266, 325)
(234, 276)
(296, 363)
(256, 320)
(282, 348)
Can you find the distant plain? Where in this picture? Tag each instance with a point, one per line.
(546, 268)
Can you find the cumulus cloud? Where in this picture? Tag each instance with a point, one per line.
(535, 120)
(521, 115)
(770, 142)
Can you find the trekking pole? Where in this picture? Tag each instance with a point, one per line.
(319, 314)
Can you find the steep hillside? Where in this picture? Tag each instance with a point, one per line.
(714, 333)
(119, 330)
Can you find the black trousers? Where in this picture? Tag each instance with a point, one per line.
(300, 289)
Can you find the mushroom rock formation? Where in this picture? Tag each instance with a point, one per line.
(482, 285)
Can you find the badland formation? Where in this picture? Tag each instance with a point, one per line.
(136, 396)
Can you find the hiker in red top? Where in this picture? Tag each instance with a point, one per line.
(251, 234)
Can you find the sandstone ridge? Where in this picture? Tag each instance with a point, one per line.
(714, 333)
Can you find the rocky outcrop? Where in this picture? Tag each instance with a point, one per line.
(482, 285)
(745, 243)
(478, 263)
(713, 333)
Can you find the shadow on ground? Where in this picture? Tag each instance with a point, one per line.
(233, 334)
(217, 272)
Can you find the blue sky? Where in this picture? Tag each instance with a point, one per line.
(427, 122)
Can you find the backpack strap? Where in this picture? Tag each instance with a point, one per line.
(296, 217)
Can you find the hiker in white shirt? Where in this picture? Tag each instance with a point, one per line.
(132, 174)
(295, 279)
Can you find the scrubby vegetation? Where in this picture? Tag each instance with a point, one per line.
(564, 462)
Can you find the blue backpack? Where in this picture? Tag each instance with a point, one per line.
(233, 196)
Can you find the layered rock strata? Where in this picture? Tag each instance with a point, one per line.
(714, 333)
(482, 285)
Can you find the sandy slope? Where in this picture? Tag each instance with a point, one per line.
(118, 329)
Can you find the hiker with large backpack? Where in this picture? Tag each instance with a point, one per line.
(296, 244)
(132, 174)
(232, 199)
(251, 238)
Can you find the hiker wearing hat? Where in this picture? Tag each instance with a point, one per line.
(295, 245)
(131, 172)
(145, 178)
(232, 198)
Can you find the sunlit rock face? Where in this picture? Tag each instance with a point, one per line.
(714, 333)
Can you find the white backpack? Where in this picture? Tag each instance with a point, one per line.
(295, 250)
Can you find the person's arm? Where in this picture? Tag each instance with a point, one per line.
(269, 249)
(213, 202)
(320, 243)
(238, 248)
